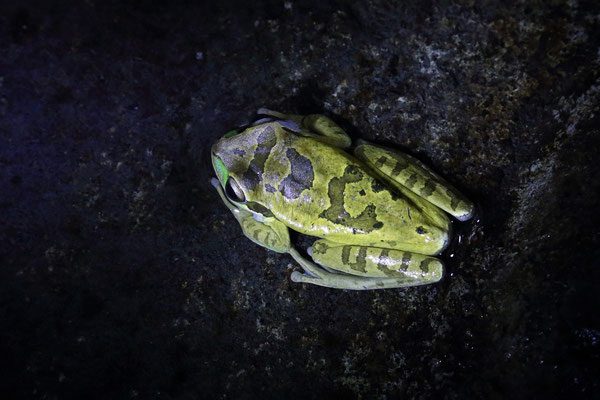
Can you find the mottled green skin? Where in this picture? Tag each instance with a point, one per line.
(369, 209)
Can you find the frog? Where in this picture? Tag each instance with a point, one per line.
(379, 215)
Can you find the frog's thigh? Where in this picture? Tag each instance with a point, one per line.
(416, 176)
(273, 235)
(408, 268)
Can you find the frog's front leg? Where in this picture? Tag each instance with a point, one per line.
(274, 235)
(316, 126)
(401, 169)
(270, 234)
(364, 268)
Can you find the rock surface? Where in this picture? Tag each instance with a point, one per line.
(123, 276)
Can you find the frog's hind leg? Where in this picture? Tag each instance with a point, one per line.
(364, 268)
(317, 276)
(412, 174)
(316, 126)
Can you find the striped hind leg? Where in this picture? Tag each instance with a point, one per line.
(365, 268)
(412, 174)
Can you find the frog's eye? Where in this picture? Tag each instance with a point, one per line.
(234, 192)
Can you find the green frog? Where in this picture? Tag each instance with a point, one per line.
(379, 214)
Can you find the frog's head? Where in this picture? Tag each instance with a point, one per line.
(239, 159)
(229, 160)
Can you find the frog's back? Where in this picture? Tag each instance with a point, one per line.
(323, 191)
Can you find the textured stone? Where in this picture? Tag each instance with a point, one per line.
(124, 277)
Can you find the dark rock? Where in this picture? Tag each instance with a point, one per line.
(123, 276)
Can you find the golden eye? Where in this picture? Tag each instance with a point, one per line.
(234, 192)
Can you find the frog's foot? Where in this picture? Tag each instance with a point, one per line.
(335, 281)
(401, 169)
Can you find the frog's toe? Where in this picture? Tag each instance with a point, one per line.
(303, 277)
(261, 121)
(296, 276)
(271, 113)
(289, 124)
(466, 213)
(263, 111)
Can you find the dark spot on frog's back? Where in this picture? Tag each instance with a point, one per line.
(377, 186)
(301, 175)
(337, 213)
(353, 171)
(266, 141)
(378, 225)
